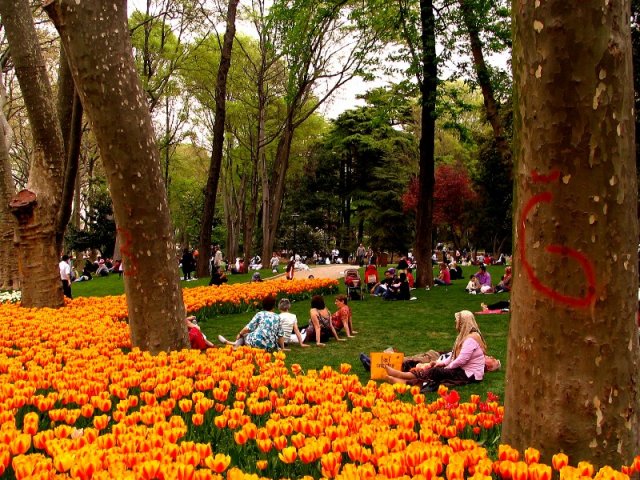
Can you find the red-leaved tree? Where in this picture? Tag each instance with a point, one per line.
(453, 199)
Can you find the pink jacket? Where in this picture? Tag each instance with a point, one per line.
(470, 359)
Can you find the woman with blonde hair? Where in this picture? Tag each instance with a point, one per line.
(466, 364)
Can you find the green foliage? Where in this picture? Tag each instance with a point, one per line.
(186, 197)
(357, 174)
(99, 230)
(493, 216)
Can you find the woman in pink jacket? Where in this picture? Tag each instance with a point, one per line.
(466, 364)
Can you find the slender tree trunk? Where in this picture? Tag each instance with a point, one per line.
(491, 106)
(95, 36)
(218, 139)
(428, 86)
(36, 207)
(249, 219)
(572, 377)
(71, 169)
(278, 185)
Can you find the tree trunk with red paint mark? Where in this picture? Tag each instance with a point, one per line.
(572, 377)
(95, 36)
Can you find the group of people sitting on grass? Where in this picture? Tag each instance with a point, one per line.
(480, 282)
(396, 284)
(270, 331)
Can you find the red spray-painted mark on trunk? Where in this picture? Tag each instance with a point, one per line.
(125, 250)
(587, 266)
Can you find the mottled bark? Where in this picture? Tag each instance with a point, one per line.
(96, 38)
(426, 176)
(9, 274)
(37, 207)
(572, 377)
(213, 178)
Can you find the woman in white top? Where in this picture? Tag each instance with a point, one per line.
(289, 323)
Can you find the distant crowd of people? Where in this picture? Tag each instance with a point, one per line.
(100, 267)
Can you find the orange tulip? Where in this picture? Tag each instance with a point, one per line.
(197, 419)
(185, 405)
(288, 455)
(262, 464)
(531, 455)
(219, 463)
(345, 368)
(63, 461)
(559, 460)
(21, 444)
(280, 442)
(586, 469)
(100, 422)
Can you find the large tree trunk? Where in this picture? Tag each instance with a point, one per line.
(572, 377)
(428, 86)
(9, 274)
(96, 39)
(218, 139)
(36, 207)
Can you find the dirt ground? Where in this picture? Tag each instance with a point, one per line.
(321, 271)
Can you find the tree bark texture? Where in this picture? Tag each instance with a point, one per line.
(95, 36)
(36, 207)
(9, 274)
(218, 139)
(572, 377)
(428, 86)
(70, 115)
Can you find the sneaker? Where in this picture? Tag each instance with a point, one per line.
(223, 340)
(366, 362)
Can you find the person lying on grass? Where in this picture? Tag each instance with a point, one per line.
(465, 365)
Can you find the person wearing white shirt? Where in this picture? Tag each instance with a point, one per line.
(289, 323)
(65, 275)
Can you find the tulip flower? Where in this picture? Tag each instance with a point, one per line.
(288, 454)
(559, 461)
(219, 463)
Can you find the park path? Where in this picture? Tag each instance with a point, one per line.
(321, 271)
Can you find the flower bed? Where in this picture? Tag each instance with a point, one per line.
(73, 404)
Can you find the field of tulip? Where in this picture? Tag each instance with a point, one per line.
(77, 402)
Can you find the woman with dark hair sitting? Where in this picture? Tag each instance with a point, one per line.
(263, 331)
(320, 328)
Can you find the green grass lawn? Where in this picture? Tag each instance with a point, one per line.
(410, 327)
